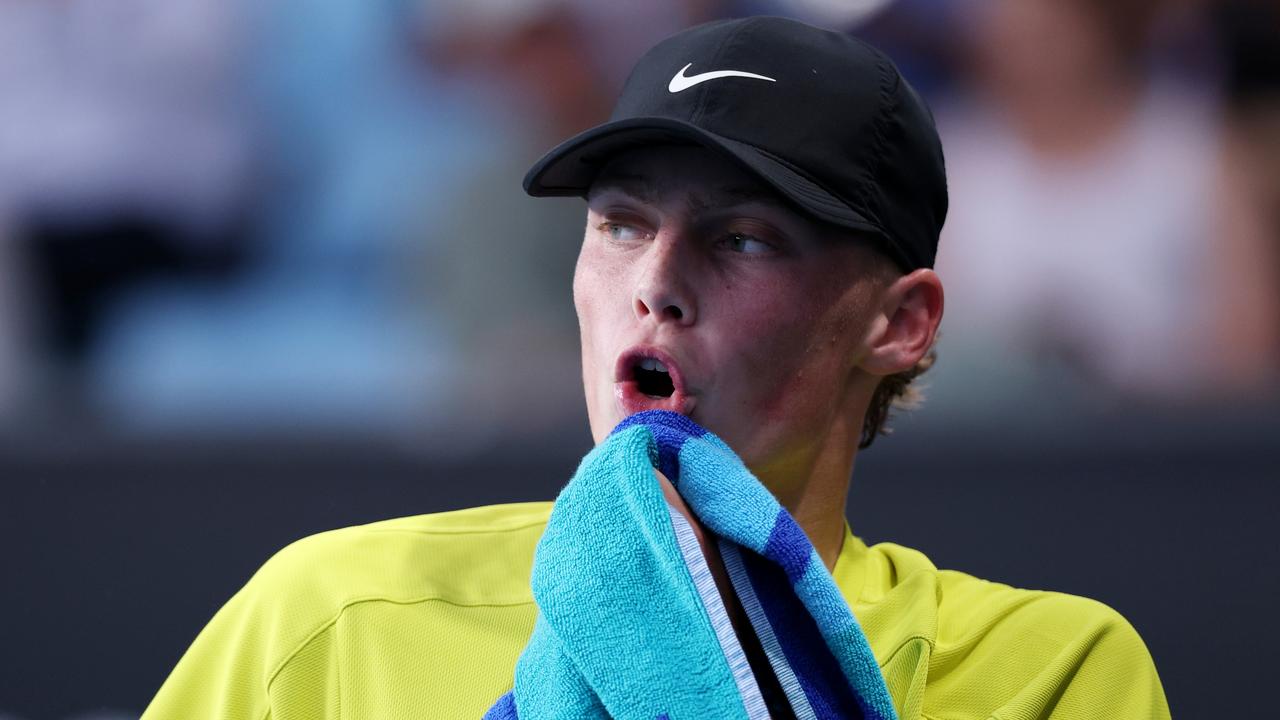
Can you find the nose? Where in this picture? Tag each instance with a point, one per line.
(664, 291)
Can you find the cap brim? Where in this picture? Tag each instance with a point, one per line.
(570, 168)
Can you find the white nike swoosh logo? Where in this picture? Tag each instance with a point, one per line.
(684, 82)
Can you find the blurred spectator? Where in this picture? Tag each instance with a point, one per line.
(1250, 272)
(265, 216)
(1085, 236)
(327, 330)
(123, 154)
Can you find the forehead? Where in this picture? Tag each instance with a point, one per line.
(688, 173)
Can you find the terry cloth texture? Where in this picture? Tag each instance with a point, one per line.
(630, 623)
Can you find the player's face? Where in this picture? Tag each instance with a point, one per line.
(699, 290)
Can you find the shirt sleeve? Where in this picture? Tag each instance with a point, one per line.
(1106, 672)
(259, 657)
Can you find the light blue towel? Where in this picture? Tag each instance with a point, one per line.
(630, 624)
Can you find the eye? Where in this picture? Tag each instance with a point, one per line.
(747, 244)
(620, 232)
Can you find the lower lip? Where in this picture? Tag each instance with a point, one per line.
(632, 401)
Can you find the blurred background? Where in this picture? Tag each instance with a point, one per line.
(266, 269)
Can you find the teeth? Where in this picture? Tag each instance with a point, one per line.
(652, 364)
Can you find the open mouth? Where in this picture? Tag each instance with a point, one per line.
(648, 378)
(653, 378)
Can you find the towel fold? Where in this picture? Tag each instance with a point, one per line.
(630, 623)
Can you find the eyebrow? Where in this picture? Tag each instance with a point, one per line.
(725, 197)
(643, 189)
(637, 186)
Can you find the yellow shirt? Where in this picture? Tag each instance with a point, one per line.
(424, 617)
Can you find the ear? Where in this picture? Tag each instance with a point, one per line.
(908, 322)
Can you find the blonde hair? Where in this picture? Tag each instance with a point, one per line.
(898, 391)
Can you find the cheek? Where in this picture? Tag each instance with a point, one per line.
(585, 301)
(590, 295)
(599, 302)
(806, 356)
(600, 292)
(793, 378)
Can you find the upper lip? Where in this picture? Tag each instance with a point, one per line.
(631, 357)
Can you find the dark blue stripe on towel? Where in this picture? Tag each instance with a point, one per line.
(669, 430)
(789, 547)
(816, 668)
(504, 709)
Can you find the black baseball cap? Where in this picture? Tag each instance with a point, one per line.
(822, 117)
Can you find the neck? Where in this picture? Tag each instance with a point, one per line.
(812, 482)
(817, 505)
(814, 488)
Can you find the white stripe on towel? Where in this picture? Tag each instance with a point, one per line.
(694, 560)
(768, 640)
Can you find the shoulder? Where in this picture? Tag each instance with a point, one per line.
(479, 557)
(367, 599)
(970, 649)
(475, 556)
(969, 604)
(954, 609)
(1031, 653)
